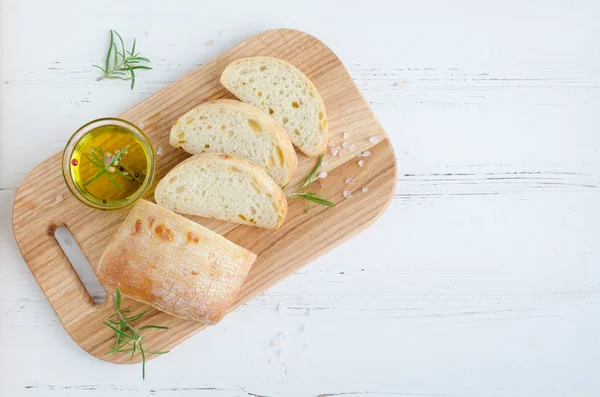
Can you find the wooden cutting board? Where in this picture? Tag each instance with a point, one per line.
(43, 202)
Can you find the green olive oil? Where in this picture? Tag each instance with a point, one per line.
(109, 164)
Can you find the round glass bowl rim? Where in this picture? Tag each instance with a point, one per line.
(90, 126)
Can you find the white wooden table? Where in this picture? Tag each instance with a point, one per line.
(481, 279)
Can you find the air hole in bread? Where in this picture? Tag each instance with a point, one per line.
(279, 155)
(251, 79)
(253, 211)
(207, 146)
(209, 127)
(230, 134)
(242, 217)
(295, 104)
(263, 68)
(285, 120)
(259, 93)
(271, 111)
(223, 128)
(172, 180)
(180, 189)
(281, 91)
(180, 135)
(235, 169)
(320, 115)
(182, 142)
(270, 162)
(245, 71)
(255, 126)
(189, 121)
(297, 131)
(311, 94)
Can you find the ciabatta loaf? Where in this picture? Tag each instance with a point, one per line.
(224, 187)
(173, 264)
(234, 127)
(284, 92)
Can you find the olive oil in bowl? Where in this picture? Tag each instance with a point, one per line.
(108, 164)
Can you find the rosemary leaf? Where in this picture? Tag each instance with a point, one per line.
(310, 197)
(128, 334)
(124, 63)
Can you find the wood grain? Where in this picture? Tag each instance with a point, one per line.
(303, 237)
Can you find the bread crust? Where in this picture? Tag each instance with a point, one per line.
(173, 264)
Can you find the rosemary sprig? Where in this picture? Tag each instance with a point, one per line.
(107, 165)
(310, 197)
(128, 338)
(121, 64)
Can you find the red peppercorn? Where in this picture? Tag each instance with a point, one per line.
(74, 162)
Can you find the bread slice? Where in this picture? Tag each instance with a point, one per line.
(224, 187)
(233, 127)
(281, 90)
(177, 266)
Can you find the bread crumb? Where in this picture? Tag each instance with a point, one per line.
(159, 151)
(59, 198)
(324, 163)
(365, 189)
(349, 180)
(209, 43)
(346, 135)
(345, 145)
(366, 153)
(347, 194)
(374, 140)
(322, 175)
(361, 163)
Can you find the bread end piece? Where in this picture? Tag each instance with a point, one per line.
(173, 264)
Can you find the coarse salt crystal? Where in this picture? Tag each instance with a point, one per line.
(324, 163)
(346, 135)
(159, 151)
(345, 145)
(366, 153)
(275, 343)
(331, 144)
(349, 180)
(322, 175)
(353, 148)
(334, 151)
(374, 140)
(347, 194)
(59, 198)
(361, 163)
(365, 189)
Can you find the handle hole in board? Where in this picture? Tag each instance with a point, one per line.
(80, 263)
